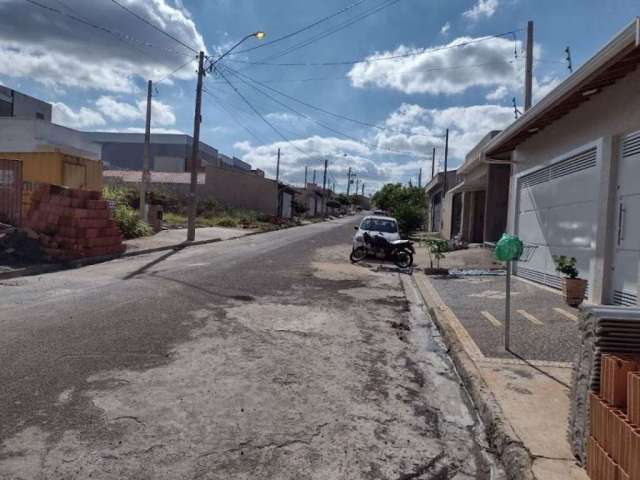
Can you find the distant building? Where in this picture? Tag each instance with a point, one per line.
(437, 217)
(169, 152)
(19, 105)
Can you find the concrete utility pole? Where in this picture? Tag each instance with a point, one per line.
(306, 170)
(195, 153)
(144, 184)
(446, 156)
(324, 189)
(357, 182)
(348, 182)
(420, 178)
(314, 176)
(528, 76)
(363, 189)
(278, 184)
(433, 162)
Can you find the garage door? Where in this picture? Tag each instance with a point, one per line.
(626, 253)
(557, 215)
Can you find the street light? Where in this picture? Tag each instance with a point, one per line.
(195, 149)
(259, 35)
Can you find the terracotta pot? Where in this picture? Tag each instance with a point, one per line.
(574, 291)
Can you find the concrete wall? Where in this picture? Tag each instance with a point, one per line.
(601, 120)
(32, 135)
(241, 189)
(497, 202)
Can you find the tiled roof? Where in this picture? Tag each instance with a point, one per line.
(135, 176)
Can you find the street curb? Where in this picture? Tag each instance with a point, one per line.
(515, 457)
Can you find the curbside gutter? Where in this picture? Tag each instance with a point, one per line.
(515, 457)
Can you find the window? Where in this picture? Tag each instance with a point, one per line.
(379, 225)
(39, 115)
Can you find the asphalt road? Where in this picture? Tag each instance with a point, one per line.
(267, 357)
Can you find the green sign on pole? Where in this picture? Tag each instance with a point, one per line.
(508, 249)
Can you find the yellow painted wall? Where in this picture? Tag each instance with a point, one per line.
(59, 169)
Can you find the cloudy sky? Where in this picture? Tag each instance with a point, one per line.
(366, 84)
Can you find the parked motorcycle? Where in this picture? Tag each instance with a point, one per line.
(399, 252)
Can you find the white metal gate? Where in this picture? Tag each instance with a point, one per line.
(557, 213)
(626, 244)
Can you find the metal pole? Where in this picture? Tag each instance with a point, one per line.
(446, 156)
(357, 183)
(144, 184)
(363, 189)
(348, 182)
(195, 153)
(314, 176)
(306, 169)
(528, 76)
(507, 308)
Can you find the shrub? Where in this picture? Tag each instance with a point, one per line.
(129, 222)
(410, 217)
(436, 249)
(566, 265)
(228, 222)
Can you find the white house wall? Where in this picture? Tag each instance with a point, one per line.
(599, 121)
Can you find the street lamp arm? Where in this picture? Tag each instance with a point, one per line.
(259, 35)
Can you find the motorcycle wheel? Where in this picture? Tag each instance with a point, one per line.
(403, 259)
(358, 254)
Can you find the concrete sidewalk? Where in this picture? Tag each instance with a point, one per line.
(523, 398)
(176, 237)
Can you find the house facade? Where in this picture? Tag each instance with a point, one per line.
(439, 217)
(575, 168)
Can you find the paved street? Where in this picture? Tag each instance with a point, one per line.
(266, 357)
(543, 327)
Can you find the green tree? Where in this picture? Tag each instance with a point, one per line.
(406, 204)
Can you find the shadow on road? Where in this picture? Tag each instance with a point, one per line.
(538, 369)
(155, 261)
(242, 298)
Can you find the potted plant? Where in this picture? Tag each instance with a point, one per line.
(574, 287)
(436, 249)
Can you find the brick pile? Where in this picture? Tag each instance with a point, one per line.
(613, 446)
(73, 223)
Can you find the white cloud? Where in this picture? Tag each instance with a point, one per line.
(484, 8)
(417, 129)
(161, 113)
(498, 93)
(57, 51)
(82, 118)
(445, 69)
(445, 29)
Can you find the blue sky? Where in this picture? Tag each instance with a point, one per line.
(96, 79)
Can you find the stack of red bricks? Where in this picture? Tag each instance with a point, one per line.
(613, 447)
(73, 223)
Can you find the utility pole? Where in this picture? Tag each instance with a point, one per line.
(357, 182)
(433, 163)
(324, 189)
(568, 58)
(446, 156)
(363, 189)
(348, 182)
(144, 185)
(278, 185)
(195, 153)
(420, 178)
(528, 77)
(314, 176)
(306, 169)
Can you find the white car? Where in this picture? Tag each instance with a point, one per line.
(376, 225)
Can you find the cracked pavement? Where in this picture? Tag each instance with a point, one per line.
(268, 357)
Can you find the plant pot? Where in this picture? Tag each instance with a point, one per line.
(436, 271)
(574, 291)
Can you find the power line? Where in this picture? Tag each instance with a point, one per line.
(255, 110)
(220, 104)
(155, 27)
(379, 59)
(123, 37)
(174, 71)
(331, 129)
(385, 4)
(303, 29)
